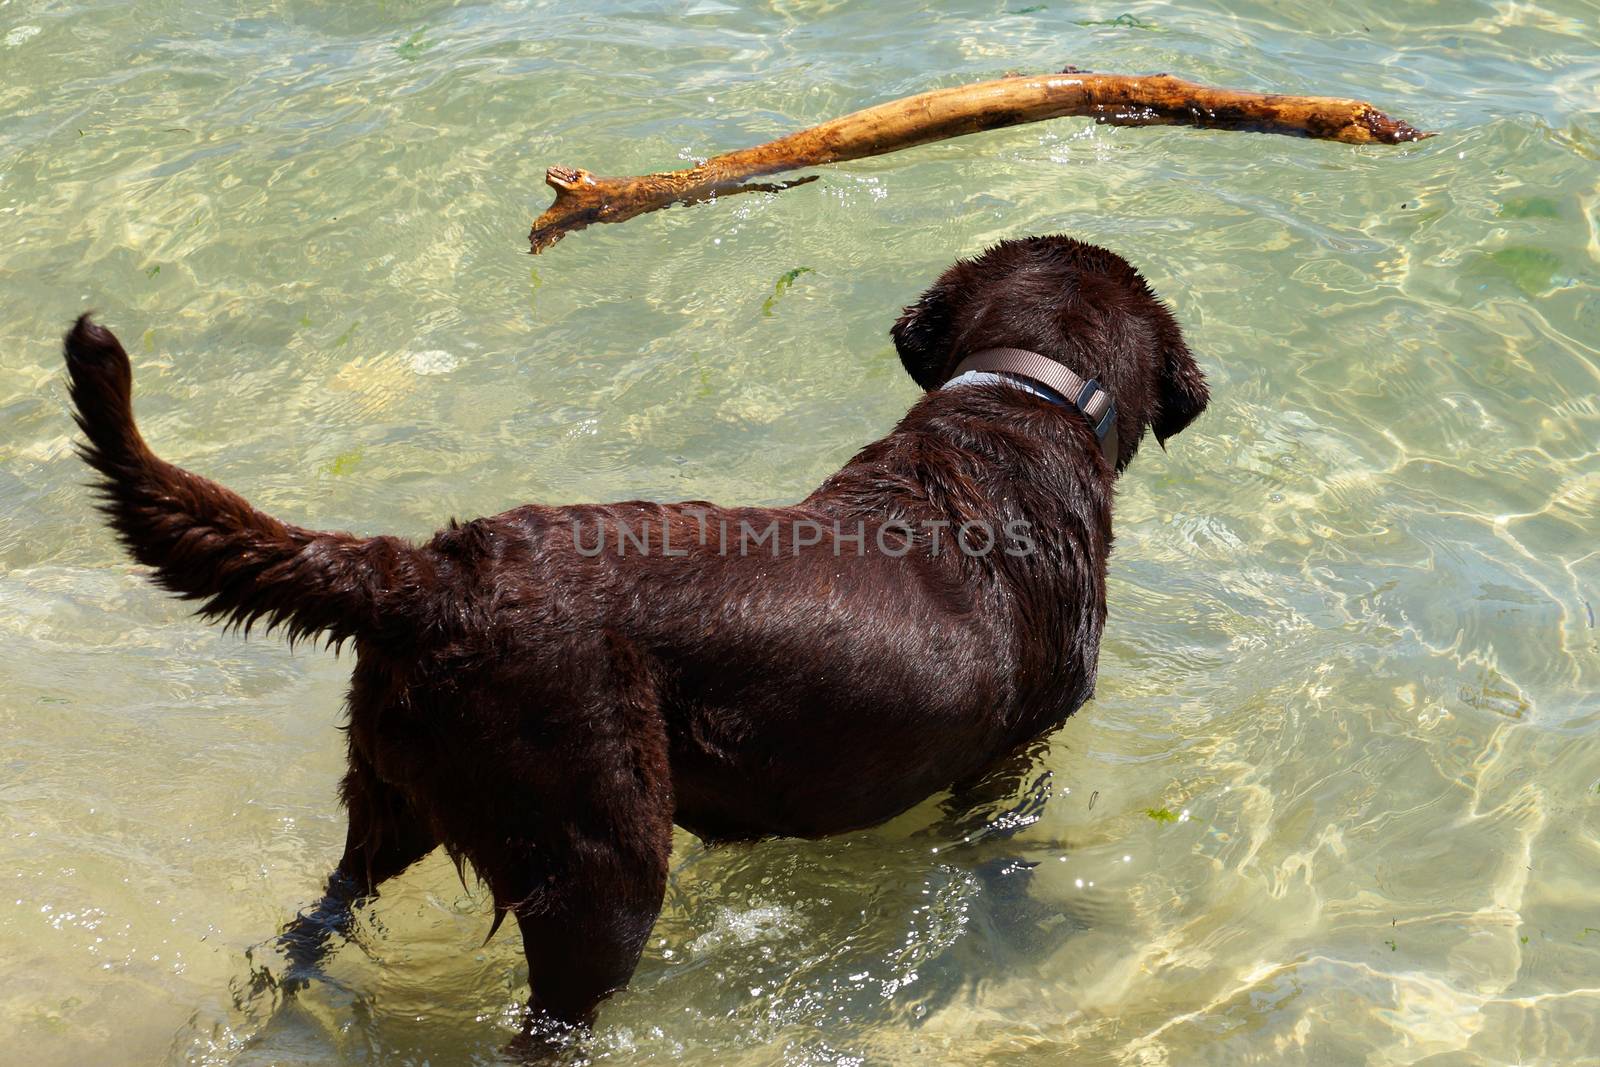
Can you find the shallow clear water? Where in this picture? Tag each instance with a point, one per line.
(1338, 799)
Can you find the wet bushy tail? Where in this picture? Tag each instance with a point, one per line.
(207, 543)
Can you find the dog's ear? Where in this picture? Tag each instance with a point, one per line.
(1181, 392)
(922, 336)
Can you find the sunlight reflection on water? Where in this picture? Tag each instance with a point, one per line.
(1344, 747)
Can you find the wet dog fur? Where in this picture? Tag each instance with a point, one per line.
(546, 712)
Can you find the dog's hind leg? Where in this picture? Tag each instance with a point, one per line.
(583, 939)
(586, 871)
(384, 838)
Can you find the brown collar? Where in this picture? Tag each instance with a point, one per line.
(1060, 385)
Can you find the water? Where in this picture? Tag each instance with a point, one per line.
(1338, 800)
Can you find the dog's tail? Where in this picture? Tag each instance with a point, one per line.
(207, 543)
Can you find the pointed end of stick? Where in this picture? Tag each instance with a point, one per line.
(1400, 132)
(1386, 130)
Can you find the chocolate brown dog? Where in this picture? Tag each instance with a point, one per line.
(546, 691)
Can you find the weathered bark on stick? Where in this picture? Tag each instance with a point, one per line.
(1116, 99)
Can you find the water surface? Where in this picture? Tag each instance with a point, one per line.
(1338, 799)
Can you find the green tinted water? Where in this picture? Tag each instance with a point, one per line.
(1338, 800)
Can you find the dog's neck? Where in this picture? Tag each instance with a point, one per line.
(1048, 379)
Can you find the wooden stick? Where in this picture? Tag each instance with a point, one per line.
(1116, 99)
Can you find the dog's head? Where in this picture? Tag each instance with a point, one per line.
(1074, 302)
